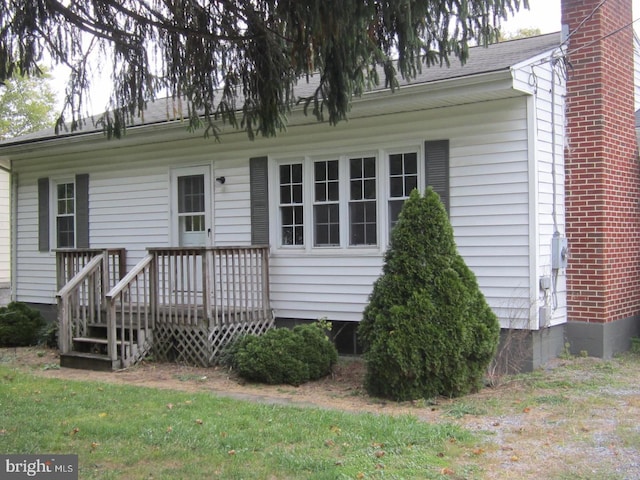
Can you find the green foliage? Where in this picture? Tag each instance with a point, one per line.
(282, 355)
(427, 329)
(27, 104)
(520, 33)
(49, 335)
(238, 62)
(20, 325)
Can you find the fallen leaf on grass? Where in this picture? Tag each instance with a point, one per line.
(74, 431)
(447, 471)
(169, 406)
(231, 452)
(379, 453)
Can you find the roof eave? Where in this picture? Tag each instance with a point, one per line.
(409, 97)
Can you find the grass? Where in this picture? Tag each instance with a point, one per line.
(133, 432)
(576, 420)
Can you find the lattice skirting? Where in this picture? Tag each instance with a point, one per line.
(196, 345)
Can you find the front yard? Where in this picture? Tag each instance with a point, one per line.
(578, 418)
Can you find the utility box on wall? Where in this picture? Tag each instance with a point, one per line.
(559, 252)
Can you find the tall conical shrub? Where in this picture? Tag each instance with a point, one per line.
(427, 329)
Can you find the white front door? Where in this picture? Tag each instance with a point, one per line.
(191, 206)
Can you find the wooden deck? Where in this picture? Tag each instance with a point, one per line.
(181, 305)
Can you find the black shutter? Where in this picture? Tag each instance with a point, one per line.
(258, 179)
(82, 211)
(437, 168)
(43, 214)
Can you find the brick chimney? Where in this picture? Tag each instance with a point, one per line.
(602, 178)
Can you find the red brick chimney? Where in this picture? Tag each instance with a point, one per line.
(602, 178)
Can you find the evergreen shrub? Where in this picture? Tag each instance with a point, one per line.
(20, 325)
(283, 355)
(427, 329)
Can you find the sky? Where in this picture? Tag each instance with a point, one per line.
(545, 15)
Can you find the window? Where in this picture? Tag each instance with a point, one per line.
(363, 217)
(191, 203)
(65, 215)
(326, 208)
(350, 201)
(403, 178)
(291, 204)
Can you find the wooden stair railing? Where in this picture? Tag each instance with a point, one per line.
(80, 301)
(130, 313)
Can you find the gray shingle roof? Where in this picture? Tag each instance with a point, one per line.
(496, 57)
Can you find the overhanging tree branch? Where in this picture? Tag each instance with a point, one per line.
(237, 61)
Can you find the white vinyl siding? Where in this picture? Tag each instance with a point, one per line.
(5, 268)
(130, 189)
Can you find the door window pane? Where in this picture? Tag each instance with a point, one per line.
(191, 203)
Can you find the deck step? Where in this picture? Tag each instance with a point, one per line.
(100, 341)
(89, 361)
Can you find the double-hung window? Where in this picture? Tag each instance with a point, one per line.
(326, 203)
(403, 178)
(291, 204)
(65, 215)
(363, 216)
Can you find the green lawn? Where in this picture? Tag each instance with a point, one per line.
(140, 433)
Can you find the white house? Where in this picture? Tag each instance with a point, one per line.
(487, 135)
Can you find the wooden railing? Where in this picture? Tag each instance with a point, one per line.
(130, 313)
(70, 261)
(80, 301)
(218, 285)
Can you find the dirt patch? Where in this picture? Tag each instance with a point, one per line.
(577, 418)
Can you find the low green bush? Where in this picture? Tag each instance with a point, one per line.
(284, 356)
(49, 335)
(20, 325)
